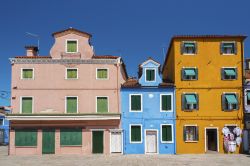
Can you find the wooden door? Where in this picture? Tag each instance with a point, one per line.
(48, 143)
(116, 142)
(151, 142)
(97, 141)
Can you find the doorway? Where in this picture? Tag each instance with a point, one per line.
(97, 141)
(151, 142)
(48, 141)
(211, 140)
(116, 142)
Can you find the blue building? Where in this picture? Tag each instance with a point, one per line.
(4, 126)
(148, 112)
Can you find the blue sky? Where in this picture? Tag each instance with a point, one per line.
(133, 29)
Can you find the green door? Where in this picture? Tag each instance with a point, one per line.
(97, 141)
(48, 141)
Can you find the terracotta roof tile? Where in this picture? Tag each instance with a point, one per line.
(131, 83)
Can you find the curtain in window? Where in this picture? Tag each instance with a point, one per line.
(102, 104)
(71, 105)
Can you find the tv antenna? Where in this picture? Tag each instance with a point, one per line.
(35, 36)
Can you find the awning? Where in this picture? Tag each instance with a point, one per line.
(248, 95)
(230, 72)
(189, 72)
(191, 99)
(228, 45)
(231, 99)
(189, 44)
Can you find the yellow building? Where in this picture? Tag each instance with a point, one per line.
(207, 72)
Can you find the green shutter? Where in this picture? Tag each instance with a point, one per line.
(102, 104)
(166, 102)
(25, 137)
(135, 133)
(166, 133)
(150, 75)
(71, 104)
(69, 137)
(71, 46)
(28, 73)
(27, 105)
(102, 73)
(97, 141)
(136, 102)
(71, 73)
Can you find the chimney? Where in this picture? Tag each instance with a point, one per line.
(31, 50)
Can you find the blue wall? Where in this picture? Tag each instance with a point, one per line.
(149, 118)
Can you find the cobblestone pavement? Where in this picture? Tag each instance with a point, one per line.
(123, 160)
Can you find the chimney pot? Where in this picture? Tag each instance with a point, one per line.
(31, 50)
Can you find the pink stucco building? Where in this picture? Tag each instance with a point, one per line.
(67, 102)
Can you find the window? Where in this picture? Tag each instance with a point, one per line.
(150, 74)
(248, 97)
(102, 104)
(102, 74)
(166, 102)
(189, 73)
(1, 122)
(135, 134)
(229, 73)
(71, 104)
(191, 133)
(27, 74)
(189, 47)
(72, 46)
(228, 48)
(26, 105)
(26, 137)
(230, 101)
(135, 102)
(166, 133)
(72, 73)
(70, 137)
(190, 101)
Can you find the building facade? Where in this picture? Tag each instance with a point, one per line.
(208, 74)
(4, 126)
(148, 112)
(67, 102)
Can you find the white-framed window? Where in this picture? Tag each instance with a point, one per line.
(71, 46)
(188, 48)
(230, 101)
(71, 73)
(166, 102)
(189, 73)
(102, 74)
(135, 133)
(135, 102)
(150, 74)
(71, 104)
(167, 133)
(191, 133)
(102, 104)
(229, 73)
(190, 101)
(27, 73)
(228, 48)
(26, 104)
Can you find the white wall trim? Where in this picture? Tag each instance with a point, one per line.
(162, 94)
(96, 75)
(66, 45)
(172, 130)
(33, 74)
(136, 94)
(137, 142)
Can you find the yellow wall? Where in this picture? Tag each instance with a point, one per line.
(209, 86)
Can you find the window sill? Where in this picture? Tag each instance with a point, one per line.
(189, 110)
(191, 141)
(229, 79)
(166, 110)
(26, 146)
(167, 142)
(229, 54)
(102, 79)
(188, 54)
(70, 145)
(71, 78)
(135, 110)
(136, 142)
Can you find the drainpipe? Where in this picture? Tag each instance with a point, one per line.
(117, 91)
(174, 120)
